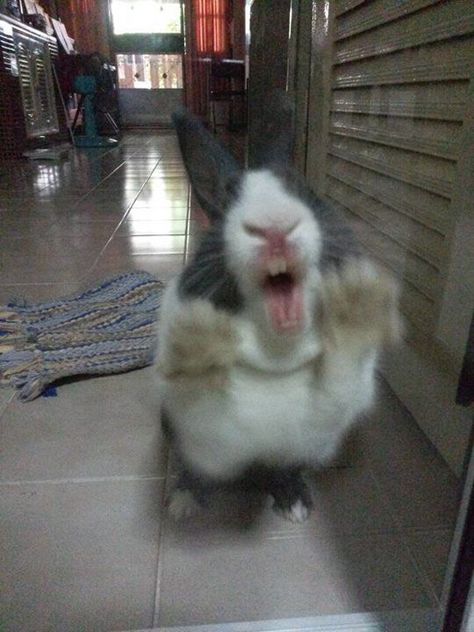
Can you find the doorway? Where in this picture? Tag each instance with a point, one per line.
(147, 41)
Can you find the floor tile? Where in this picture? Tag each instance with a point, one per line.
(151, 212)
(162, 199)
(419, 486)
(52, 227)
(163, 267)
(35, 293)
(6, 394)
(248, 578)
(166, 184)
(106, 426)
(153, 227)
(31, 260)
(79, 556)
(14, 207)
(346, 502)
(117, 197)
(146, 245)
(430, 549)
(168, 172)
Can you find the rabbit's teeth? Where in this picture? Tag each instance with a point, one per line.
(277, 266)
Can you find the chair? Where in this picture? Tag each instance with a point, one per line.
(226, 82)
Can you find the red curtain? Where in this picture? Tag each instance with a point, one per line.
(212, 19)
(207, 27)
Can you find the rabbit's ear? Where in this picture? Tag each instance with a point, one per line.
(272, 134)
(212, 170)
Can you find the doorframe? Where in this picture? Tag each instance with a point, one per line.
(457, 599)
(147, 43)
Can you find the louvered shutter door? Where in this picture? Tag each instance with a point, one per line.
(400, 80)
(390, 91)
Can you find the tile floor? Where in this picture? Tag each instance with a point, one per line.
(85, 541)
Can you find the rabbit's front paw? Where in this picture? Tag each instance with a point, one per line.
(202, 340)
(360, 304)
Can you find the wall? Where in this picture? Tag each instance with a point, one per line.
(148, 107)
(238, 29)
(87, 22)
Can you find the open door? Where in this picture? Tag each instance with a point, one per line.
(147, 40)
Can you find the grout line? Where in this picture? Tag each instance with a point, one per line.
(124, 161)
(124, 219)
(82, 197)
(114, 232)
(161, 542)
(188, 221)
(85, 479)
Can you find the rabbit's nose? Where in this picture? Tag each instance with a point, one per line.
(275, 237)
(276, 241)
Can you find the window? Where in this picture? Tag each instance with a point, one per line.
(146, 16)
(212, 23)
(150, 71)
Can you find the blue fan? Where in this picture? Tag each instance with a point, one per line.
(86, 86)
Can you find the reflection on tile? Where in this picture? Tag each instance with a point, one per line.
(159, 185)
(99, 211)
(114, 197)
(79, 556)
(168, 172)
(152, 212)
(164, 206)
(107, 426)
(153, 227)
(146, 245)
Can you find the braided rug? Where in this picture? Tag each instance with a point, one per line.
(107, 329)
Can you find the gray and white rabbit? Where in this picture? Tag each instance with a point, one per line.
(268, 339)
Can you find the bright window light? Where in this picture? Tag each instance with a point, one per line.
(146, 16)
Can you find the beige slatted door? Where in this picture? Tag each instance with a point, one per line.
(389, 109)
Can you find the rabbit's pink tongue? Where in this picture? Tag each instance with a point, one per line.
(284, 303)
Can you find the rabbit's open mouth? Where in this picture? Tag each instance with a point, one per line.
(283, 296)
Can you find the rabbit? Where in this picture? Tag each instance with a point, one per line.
(269, 337)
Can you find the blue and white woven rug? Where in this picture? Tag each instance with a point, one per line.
(110, 328)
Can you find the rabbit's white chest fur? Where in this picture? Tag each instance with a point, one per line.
(269, 408)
